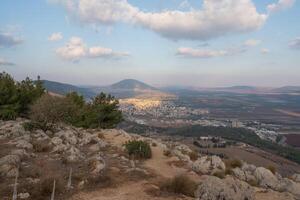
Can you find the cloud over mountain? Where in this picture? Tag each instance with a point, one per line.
(216, 17)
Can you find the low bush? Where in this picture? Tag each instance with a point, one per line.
(193, 155)
(180, 184)
(41, 146)
(253, 182)
(48, 110)
(138, 149)
(233, 163)
(167, 153)
(43, 189)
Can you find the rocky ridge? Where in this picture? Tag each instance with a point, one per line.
(92, 153)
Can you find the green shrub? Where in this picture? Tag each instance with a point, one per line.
(180, 185)
(15, 97)
(102, 112)
(138, 149)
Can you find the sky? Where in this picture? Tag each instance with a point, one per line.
(199, 43)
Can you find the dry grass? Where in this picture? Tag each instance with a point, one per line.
(272, 169)
(181, 184)
(233, 163)
(41, 146)
(43, 189)
(193, 155)
(220, 174)
(253, 182)
(167, 153)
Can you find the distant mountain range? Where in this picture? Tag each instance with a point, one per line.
(129, 88)
(124, 89)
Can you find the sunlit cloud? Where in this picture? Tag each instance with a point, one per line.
(55, 37)
(76, 49)
(216, 17)
(280, 5)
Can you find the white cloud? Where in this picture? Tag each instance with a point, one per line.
(8, 39)
(252, 42)
(295, 43)
(216, 17)
(280, 5)
(205, 53)
(55, 37)
(4, 62)
(185, 4)
(265, 51)
(76, 49)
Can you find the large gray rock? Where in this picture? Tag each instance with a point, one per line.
(245, 173)
(97, 165)
(11, 129)
(266, 178)
(68, 136)
(74, 155)
(24, 144)
(213, 188)
(207, 165)
(296, 178)
(180, 155)
(287, 185)
(9, 165)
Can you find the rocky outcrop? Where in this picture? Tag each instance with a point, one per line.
(266, 178)
(12, 129)
(296, 178)
(9, 165)
(208, 165)
(97, 165)
(213, 188)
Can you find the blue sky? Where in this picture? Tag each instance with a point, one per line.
(176, 42)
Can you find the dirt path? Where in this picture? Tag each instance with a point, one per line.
(128, 191)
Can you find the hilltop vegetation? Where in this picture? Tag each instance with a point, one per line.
(15, 97)
(29, 99)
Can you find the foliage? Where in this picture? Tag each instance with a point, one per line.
(138, 149)
(15, 97)
(49, 110)
(233, 163)
(102, 112)
(180, 184)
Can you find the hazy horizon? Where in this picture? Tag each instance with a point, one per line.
(196, 43)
